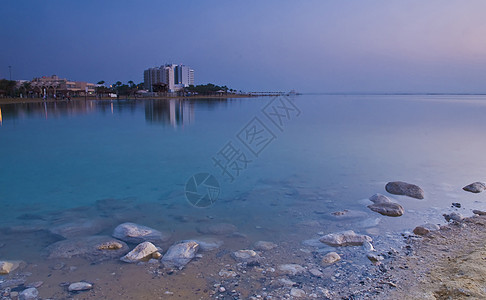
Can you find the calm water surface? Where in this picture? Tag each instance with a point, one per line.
(62, 161)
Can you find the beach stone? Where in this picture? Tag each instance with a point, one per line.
(291, 269)
(264, 246)
(405, 189)
(454, 216)
(91, 248)
(29, 294)
(298, 293)
(425, 229)
(227, 273)
(286, 282)
(140, 252)
(383, 205)
(36, 284)
(476, 187)
(314, 243)
(219, 229)
(8, 266)
(135, 233)
(80, 286)
(246, 256)
(110, 245)
(330, 258)
(77, 228)
(348, 214)
(207, 243)
(367, 246)
(156, 255)
(345, 238)
(179, 255)
(479, 212)
(374, 258)
(316, 272)
(12, 283)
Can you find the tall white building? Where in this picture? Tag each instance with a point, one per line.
(175, 76)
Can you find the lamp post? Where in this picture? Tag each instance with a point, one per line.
(10, 71)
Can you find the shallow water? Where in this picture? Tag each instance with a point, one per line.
(115, 161)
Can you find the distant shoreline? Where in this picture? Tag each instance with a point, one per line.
(77, 99)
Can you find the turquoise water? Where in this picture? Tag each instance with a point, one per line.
(338, 151)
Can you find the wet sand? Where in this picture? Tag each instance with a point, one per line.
(446, 264)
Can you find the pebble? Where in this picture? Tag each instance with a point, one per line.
(291, 269)
(383, 205)
(476, 187)
(454, 216)
(140, 252)
(222, 289)
(374, 258)
(246, 256)
(265, 246)
(345, 238)
(295, 292)
(330, 258)
(425, 229)
(29, 294)
(479, 212)
(80, 286)
(8, 266)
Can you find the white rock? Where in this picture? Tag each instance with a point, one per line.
(265, 246)
(207, 243)
(80, 286)
(141, 252)
(180, 254)
(291, 269)
(135, 233)
(294, 292)
(345, 238)
(246, 256)
(330, 258)
(29, 294)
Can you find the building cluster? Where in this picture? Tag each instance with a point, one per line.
(171, 77)
(55, 86)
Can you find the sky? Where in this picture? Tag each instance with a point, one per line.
(354, 46)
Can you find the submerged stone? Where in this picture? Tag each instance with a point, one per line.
(383, 205)
(425, 229)
(265, 246)
(135, 233)
(8, 266)
(405, 189)
(179, 255)
(246, 256)
(476, 187)
(29, 294)
(79, 228)
(345, 238)
(80, 286)
(330, 258)
(141, 252)
(219, 229)
(291, 269)
(91, 248)
(207, 243)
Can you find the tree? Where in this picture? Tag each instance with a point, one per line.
(131, 83)
(101, 82)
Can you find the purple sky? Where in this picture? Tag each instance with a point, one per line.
(310, 46)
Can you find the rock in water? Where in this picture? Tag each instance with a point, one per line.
(265, 246)
(405, 189)
(94, 248)
(207, 243)
(246, 256)
(330, 258)
(141, 252)
(425, 229)
(29, 294)
(291, 269)
(479, 212)
(134, 233)
(219, 229)
(80, 286)
(383, 205)
(453, 217)
(8, 266)
(476, 187)
(180, 254)
(345, 238)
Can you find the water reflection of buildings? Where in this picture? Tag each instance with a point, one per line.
(173, 112)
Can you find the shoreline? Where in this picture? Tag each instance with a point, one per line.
(77, 99)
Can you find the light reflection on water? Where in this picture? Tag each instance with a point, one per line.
(57, 158)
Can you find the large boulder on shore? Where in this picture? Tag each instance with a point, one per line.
(476, 187)
(93, 248)
(135, 233)
(404, 189)
(345, 238)
(383, 205)
(180, 254)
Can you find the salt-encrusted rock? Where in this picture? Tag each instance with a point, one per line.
(77, 228)
(479, 212)
(80, 286)
(291, 269)
(383, 205)
(374, 258)
(298, 293)
(7, 266)
(227, 273)
(405, 189)
(476, 187)
(218, 229)
(264, 246)
(425, 229)
(135, 233)
(316, 272)
(454, 216)
(93, 248)
(345, 238)
(368, 247)
(330, 258)
(141, 252)
(179, 255)
(29, 294)
(207, 243)
(246, 256)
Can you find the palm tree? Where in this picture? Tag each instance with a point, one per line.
(101, 82)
